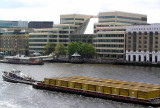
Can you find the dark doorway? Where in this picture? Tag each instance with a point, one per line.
(139, 58)
(129, 58)
(134, 58)
(156, 59)
(150, 57)
(145, 59)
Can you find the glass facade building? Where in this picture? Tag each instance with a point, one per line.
(8, 24)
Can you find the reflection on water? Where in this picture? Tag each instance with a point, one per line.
(24, 96)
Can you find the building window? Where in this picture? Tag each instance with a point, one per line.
(151, 33)
(134, 41)
(156, 46)
(145, 33)
(140, 33)
(129, 50)
(145, 37)
(145, 42)
(129, 33)
(129, 46)
(129, 41)
(150, 41)
(156, 38)
(156, 33)
(145, 46)
(129, 37)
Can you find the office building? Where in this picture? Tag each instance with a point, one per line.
(11, 24)
(14, 42)
(110, 33)
(85, 33)
(58, 34)
(40, 37)
(143, 43)
(40, 24)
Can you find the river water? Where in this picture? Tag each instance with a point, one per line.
(24, 96)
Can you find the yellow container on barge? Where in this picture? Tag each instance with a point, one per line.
(108, 86)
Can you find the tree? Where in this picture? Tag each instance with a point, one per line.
(49, 48)
(60, 49)
(84, 49)
(71, 48)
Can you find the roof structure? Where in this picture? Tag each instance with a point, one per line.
(90, 26)
(76, 54)
(87, 27)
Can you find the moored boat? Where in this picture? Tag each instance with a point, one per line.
(15, 76)
(22, 60)
(125, 91)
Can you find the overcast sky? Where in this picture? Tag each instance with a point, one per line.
(50, 10)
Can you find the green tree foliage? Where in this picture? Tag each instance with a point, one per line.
(60, 49)
(71, 48)
(84, 49)
(49, 48)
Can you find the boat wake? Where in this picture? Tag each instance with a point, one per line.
(9, 104)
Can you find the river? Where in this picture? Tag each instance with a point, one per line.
(24, 96)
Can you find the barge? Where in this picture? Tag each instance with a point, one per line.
(124, 91)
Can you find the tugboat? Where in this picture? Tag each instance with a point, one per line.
(15, 76)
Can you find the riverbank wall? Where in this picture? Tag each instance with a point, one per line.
(114, 62)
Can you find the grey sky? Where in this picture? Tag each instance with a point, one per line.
(50, 10)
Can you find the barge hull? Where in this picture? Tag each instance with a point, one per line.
(22, 63)
(95, 94)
